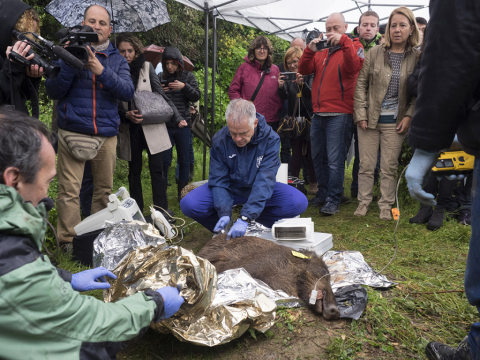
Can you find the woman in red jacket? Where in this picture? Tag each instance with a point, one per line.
(259, 63)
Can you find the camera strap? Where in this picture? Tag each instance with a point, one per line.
(258, 88)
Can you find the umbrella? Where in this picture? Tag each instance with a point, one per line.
(153, 53)
(129, 15)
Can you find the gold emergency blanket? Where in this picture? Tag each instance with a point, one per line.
(197, 321)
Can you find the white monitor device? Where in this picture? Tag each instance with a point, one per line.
(117, 210)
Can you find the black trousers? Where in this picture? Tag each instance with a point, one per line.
(155, 164)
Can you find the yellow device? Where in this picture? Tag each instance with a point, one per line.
(453, 162)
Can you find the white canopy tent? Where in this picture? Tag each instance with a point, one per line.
(287, 19)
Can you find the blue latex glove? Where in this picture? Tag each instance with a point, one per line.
(238, 229)
(91, 279)
(171, 300)
(421, 163)
(224, 220)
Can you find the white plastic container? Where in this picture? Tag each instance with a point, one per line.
(322, 242)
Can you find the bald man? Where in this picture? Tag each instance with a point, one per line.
(335, 72)
(88, 112)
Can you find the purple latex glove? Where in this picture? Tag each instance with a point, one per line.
(91, 279)
(238, 229)
(171, 300)
(224, 220)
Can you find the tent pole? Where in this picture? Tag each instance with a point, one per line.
(205, 93)
(214, 71)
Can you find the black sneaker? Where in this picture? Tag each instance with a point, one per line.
(464, 219)
(439, 351)
(344, 199)
(316, 201)
(329, 209)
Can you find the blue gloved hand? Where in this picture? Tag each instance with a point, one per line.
(171, 300)
(421, 163)
(238, 229)
(224, 220)
(91, 279)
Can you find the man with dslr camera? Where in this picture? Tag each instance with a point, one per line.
(335, 64)
(88, 121)
(17, 83)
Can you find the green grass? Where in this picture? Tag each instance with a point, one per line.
(396, 323)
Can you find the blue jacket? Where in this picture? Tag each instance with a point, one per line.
(249, 171)
(88, 103)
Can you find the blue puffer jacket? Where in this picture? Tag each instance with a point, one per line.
(249, 171)
(88, 103)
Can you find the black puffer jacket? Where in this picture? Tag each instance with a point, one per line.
(190, 92)
(289, 92)
(15, 86)
(412, 81)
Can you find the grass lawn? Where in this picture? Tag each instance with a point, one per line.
(397, 324)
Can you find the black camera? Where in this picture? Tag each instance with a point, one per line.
(80, 37)
(323, 44)
(289, 76)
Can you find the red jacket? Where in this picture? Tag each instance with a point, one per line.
(336, 73)
(245, 82)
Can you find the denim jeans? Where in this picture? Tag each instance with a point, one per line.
(330, 135)
(191, 157)
(286, 202)
(472, 281)
(180, 138)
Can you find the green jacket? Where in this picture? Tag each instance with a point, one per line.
(42, 317)
(371, 44)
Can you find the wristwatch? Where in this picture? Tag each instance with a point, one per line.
(246, 219)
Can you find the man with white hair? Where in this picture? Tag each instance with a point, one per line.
(243, 167)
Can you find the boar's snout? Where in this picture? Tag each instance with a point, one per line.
(330, 312)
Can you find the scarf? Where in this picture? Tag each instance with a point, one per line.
(102, 47)
(135, 67)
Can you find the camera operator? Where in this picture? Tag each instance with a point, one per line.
(17, 83)
(335, 72)
(88, 112)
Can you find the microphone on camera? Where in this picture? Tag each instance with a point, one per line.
(61, 53)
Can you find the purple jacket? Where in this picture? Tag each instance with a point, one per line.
(245, 82)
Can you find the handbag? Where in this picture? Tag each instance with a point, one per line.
(255, 93)
(198, 129)
(152, 106)
(294, 127)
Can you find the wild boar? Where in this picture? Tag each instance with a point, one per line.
(275, 265)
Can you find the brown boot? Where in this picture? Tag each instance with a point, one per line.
(313, 189)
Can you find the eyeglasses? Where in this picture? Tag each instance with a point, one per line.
(262, 49)
(294, 62)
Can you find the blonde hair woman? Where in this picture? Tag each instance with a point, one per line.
(384, 108)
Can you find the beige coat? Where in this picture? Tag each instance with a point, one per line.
(156, 135)
(372, 85)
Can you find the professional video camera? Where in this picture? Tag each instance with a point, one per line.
(48, 51)
(79, 38)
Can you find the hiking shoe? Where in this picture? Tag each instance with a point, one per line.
(316, 201)
(313, 189)
(423, 215)
(344, 199)
(439, 351)
(362, 210)
(385, 214)
(464, 219)
(436, 221)
(329, 209)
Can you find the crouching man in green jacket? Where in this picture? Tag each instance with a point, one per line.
(42, 314)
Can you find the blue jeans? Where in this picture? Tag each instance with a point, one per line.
(191, 156)
(330, 136)
(179, 137)
(286, 202)
(472, 272)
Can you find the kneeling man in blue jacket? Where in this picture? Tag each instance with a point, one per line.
(244, 160)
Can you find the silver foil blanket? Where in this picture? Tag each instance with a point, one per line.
(349, 267)
(117, 240)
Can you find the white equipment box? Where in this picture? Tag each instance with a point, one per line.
(295, 229)
(117, 210)
(320, 244)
